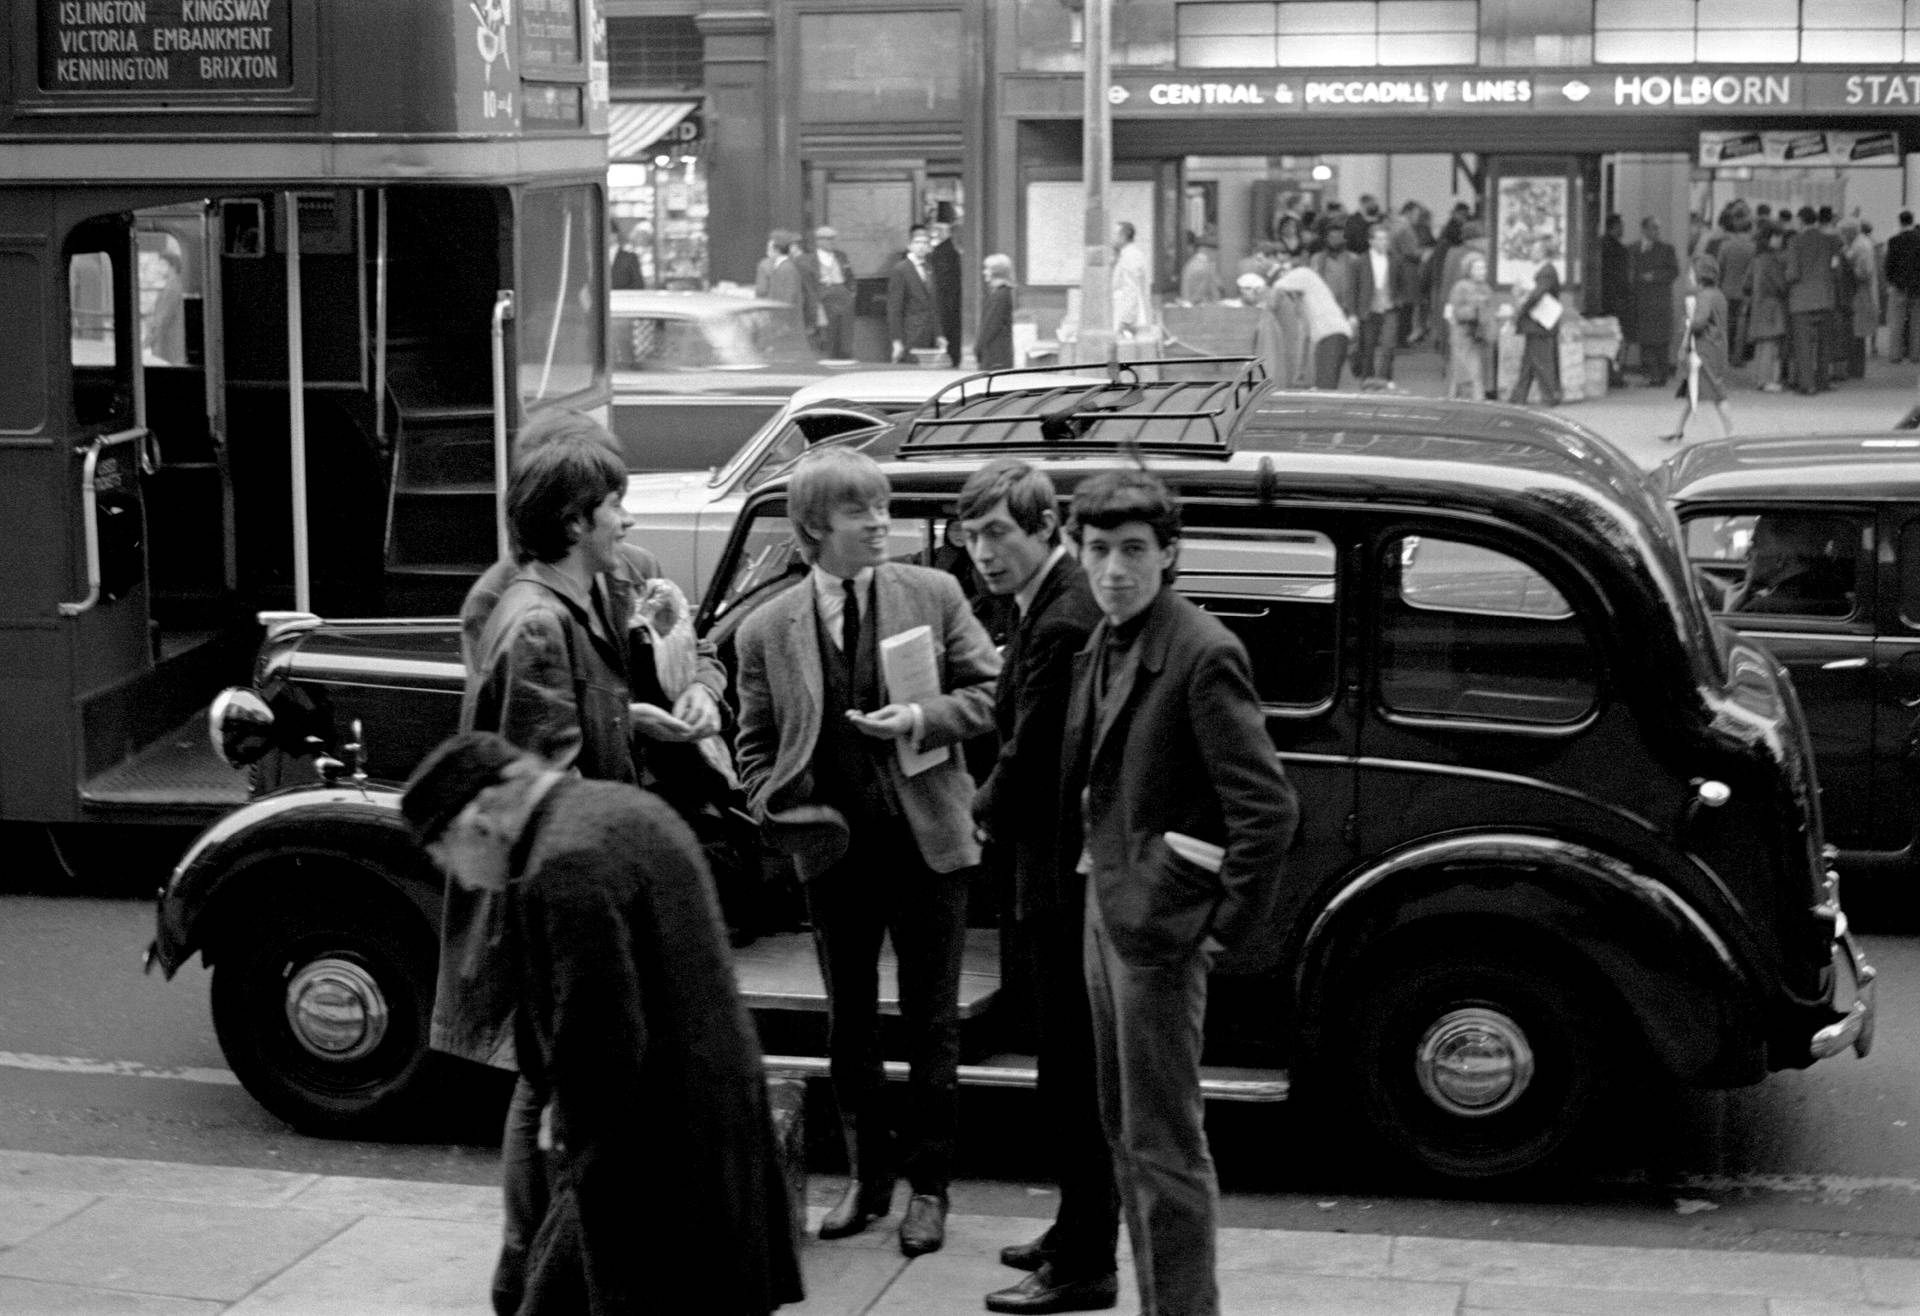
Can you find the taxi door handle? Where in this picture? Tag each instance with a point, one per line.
(1843, 665)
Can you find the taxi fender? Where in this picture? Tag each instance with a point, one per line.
(293, 845)
(1677, 981)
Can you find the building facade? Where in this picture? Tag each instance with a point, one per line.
(1543, 115)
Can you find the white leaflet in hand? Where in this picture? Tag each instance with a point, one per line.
(1202, 854)
(912, 676)
(1546, 311)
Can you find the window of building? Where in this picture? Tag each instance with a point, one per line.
(655, 53)
(1468, 631)
(1325, 33)
(1755, 31)
(880, 67)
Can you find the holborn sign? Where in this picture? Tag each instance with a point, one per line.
(1570, 91)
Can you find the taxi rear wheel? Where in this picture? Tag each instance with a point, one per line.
(323, 1015)
(1470, 1068)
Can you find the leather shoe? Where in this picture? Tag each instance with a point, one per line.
(1027, 1256)
(863, 1204)
(1042, 1292)
(924, 1227)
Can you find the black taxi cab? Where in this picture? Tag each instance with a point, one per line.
(1812, 546)
(1560, 828)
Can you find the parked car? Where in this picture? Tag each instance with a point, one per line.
(1812, 546)
(1560, 831)
(684, 518)
(695, 373)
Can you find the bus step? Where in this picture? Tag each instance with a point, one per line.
(178, 774)
(430, 460)
(443, 530)
(1217, 1082)
(782, 973)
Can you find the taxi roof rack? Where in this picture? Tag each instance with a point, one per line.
(971, 415)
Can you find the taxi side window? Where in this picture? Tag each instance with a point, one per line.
(1910, 573)
(1468, 631)
(1278, 593)
(1781, 563)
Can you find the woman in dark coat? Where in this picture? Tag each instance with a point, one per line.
(1703, 347)
(667, 1193)
(993, 342)
(1541, 357)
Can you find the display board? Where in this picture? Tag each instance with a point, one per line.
(1056, 227)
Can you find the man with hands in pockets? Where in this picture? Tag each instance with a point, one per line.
(1174, 806)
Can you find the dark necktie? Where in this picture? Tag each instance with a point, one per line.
(850, 620)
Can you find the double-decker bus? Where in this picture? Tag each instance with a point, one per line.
(279, 281)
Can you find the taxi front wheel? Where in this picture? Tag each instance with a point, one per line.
(323, 1015)
(1472, 1068)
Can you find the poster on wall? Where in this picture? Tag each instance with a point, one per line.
(1530, 228)
(1796, 150)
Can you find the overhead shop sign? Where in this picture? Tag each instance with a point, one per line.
(1144, 95)
(1797, 150)
(165, 46)
(1632, 91)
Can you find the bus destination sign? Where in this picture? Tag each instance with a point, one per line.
(165, 46)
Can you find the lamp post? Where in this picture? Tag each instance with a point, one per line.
(1095, 344)
(661, 165)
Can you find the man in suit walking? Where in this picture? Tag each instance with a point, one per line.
(1380, 285)
(1808, 269)
(1011, 521)
(913, 302)
(1173, 802)
(830, 275)
(883, 846)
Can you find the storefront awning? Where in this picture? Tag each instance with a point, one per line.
(633, 128)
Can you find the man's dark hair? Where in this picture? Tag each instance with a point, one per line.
(1809, 216)
(917, 230)
(1826, 214)
(559, 482)
(1125, 229)
(1028, 491)
(1111, 500)
(1906, 218)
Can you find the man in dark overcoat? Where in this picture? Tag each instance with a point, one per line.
(829, 744)
(1655, 267)
(1808, 268)
(943, 258)
(1174, 805)
(656, 1127)
(1011, 521)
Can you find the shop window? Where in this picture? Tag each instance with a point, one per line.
(1326, 33)
(1531, 33)
(881, 68)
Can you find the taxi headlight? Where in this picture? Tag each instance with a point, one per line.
(240, 726)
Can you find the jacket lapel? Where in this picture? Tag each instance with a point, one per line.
(803, 654)
(1137, 670)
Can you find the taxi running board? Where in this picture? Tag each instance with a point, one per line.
(1217, 1083)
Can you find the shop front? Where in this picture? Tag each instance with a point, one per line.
(657, 193)
(1541, 156)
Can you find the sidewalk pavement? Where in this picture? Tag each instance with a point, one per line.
(1635, 416)
(95, 1235)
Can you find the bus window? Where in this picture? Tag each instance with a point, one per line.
(561, 314)
(102, 361)
(90, 293)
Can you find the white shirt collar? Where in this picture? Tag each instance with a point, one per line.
(1023, 597)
